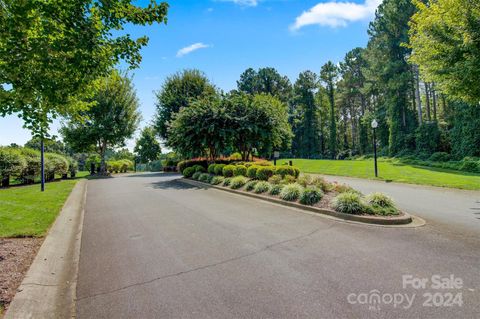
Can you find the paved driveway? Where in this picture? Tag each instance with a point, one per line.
(154, 247)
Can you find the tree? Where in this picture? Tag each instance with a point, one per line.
(178, 91)
(328, 74)
(257, 122)
(52, 51)
(391, 72)
(202, 129)
(266, 80)
(444, 36)
(50, 145)
(111, 120)
(147, 147)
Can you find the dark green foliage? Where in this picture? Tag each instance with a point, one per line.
(265, 172)
(196, 175)
(240, 170)
(470, 166)
(219, 169)
(188, 172)
(228, 170)
(267, 81)
(311, 196)
(199, 168)
(211, 168)
(328, 75)
(440, 157)
(252, 171)
(465, 134)
(147, 147)
(427, 138)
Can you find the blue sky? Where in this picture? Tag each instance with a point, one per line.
(224, 37)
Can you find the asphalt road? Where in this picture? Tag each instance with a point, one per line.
(450, 210)
(154, 247)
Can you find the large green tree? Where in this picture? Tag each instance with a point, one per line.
(179, 91)
(329, 74)
(111, 120)
(445, 38)
(147, 147)
(265, 80)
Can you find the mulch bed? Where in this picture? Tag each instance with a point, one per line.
(16, 256)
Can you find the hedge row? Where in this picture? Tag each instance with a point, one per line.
(260, 171)
(24, 165)
(120, 166)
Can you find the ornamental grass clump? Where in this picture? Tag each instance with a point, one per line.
(291, 192)
(216, 180)
(227, 181)
(381, 204)
(349, 203)
(262, 187)
(311, 196)
(275, 180)
(305, 180)
(289, 180)
(238, 181)
(250, 185)
(196, 175)
(276, 189)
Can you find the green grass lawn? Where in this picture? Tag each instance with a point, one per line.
(391, 171)
(25, 211)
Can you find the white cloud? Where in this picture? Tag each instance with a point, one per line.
(336, 14)
(245, 3)
(191, 48)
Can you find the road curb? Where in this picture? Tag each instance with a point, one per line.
(405, 220)
(49, 287)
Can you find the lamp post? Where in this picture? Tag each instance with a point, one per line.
(374, 127)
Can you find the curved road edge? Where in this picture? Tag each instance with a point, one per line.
(49, 287)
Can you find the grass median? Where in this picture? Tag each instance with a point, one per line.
(391, 171)
(27, 212)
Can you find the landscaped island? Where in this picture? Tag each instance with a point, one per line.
(285, 183)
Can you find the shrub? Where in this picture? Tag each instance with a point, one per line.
(240, 170)
(343, 188)
(265, 172)
(211, 168)
(216, 180)
(289, 180)
(349, 203)
(262, 187)
(235, 157)
(11, 163)
(276, 189)
(199, 168)
(189, 163)
(381, 204)
(252, 171)
(196, 175)
(227, 181)
(275, 180)
(321, 183)
(205, 177)
(32, 168)
(188, 172)
(470, 166)
(305, 180)
(228, 170)
(250, 185)
(291, 192)
(284, 170)
(219, 169)
(440, 157)
(238, 182)
(55, 164)
(311, 196)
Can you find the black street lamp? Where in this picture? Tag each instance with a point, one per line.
(374, 127)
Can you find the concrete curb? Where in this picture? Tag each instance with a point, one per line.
(405, 220)
(49, 288)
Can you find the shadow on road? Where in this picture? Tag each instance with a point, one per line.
(175, 184)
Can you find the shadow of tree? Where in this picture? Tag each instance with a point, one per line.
(175, 184)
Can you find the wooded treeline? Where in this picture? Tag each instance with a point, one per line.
(395, 79)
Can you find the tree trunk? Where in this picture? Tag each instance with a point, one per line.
(103, 165)
(5, 181)
(434, 95)
(418, 99)
(427, 95)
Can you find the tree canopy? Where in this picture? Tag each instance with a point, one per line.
(147, 147)
(111, 120)
(51, 51)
